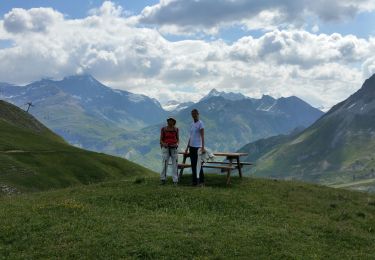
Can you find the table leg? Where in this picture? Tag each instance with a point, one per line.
(229, 171)
(182, 168)
(239, 167)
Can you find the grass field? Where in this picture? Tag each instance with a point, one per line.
(251, 219)
(132, 216)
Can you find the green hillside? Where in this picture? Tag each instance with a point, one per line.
(33, 158)
(252, 219)
(261, 147)
(336, 150)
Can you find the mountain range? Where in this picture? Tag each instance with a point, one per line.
(337, 149)
(83, 111)
(91, 115)
(229, 124)
(287, 138)
(227, 95)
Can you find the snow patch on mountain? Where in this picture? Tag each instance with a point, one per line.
(227, 95)
(136, 98)
(352, 105)
(176, 106)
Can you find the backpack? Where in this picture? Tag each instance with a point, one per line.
(170, 139)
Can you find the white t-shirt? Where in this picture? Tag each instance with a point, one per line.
(195, 134)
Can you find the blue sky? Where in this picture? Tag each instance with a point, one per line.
(363, 25)
(318, 50)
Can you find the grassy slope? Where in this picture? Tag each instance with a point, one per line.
(261, 147)
(337, 149)
(312, 157)
(251, 219)
(34, 158)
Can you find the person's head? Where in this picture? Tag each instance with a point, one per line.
(171, 121)
(195, 114)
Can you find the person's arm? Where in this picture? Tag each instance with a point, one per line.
(161, 138)
(178, 137)
(187, 146)
(202, 136)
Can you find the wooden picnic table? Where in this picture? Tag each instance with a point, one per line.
(233, 159)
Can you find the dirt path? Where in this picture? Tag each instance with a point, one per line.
(45, 151)
(14, 151)
(353, 183)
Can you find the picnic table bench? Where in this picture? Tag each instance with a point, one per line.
(233, 162)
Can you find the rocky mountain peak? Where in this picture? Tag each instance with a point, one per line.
(227, 95)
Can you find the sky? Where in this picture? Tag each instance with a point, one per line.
(320, 51)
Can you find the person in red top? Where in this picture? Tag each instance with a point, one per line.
(169, 139)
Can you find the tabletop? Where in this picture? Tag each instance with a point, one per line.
(228, 154)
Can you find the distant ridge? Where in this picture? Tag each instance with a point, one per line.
(93, 116)
(84, 111)
(229, 125)
(227, 95)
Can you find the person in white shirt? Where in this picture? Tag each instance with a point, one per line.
(196, 142)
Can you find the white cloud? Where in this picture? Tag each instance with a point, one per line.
(300, 48)
(19, 20)
(108, 8)
(369, 67)
(180, 16)
(322, 69)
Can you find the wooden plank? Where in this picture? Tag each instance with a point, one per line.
(229, 171)
(183, 165)
(230, 154)
(221, 154)
(218, 162)
(182, 168)
(242, 164)
(239, 167)
(219, 167)
(246, 163)
(228, 177)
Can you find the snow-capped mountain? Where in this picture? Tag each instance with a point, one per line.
(227, 95)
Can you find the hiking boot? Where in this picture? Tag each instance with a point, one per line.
(162, 182)
(175, 183)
